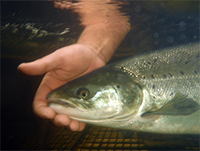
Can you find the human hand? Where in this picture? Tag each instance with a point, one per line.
(61, 66)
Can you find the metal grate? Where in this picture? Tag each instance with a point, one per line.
(108, 139)
(62, 139)
(95, 138)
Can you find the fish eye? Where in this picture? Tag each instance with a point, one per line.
(83, 93)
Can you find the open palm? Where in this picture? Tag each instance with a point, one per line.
(61, 66)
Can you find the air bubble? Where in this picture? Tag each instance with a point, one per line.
(182, 24)
(156, 35)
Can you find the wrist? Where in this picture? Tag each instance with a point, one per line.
(104, 38)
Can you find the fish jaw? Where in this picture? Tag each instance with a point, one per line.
(72, 112)
(57, 98)
(75, 113)
(65, 106)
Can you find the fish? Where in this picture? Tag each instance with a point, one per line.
(156, 92)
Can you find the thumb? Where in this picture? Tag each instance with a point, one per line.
(40, 66)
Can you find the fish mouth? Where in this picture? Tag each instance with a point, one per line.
(67, 104)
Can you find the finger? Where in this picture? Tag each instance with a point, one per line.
(40, 66)
(45, 112)
(63, 6)
(40, 107)
(57, 4)
(61, 120)
(74, 125)
(40, 102)
(82, 126)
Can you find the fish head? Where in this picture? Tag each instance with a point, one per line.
(102, 95)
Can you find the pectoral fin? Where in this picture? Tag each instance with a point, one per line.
(179, 105)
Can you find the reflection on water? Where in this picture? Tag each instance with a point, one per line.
(101, 12)
(42, 34)
(33, 29)
(44, 28)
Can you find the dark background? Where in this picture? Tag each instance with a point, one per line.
(154, 25)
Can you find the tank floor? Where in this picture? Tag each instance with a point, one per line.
(93, 138)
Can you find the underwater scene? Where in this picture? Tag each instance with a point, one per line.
(145, 30)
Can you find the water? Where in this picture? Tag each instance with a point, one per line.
(30, 30)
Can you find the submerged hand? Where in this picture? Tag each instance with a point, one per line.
(61, 66)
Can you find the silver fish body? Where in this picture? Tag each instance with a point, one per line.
(157, 92)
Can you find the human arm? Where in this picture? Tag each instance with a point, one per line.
(94, 48)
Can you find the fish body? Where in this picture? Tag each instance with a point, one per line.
(156, 92)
